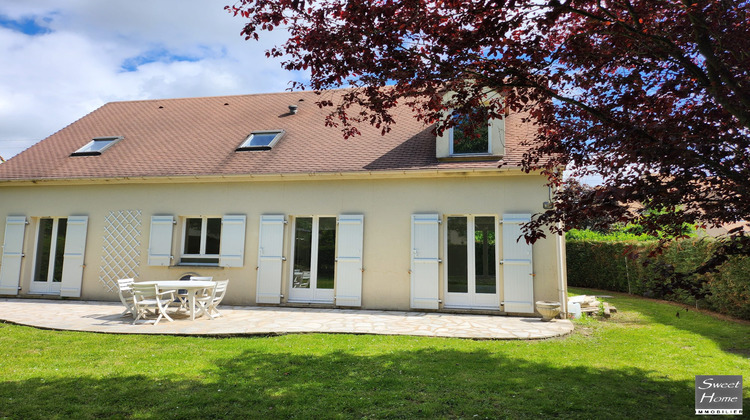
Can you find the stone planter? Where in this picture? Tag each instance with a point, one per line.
(548, 310)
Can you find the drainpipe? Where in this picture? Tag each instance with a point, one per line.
(561, 273)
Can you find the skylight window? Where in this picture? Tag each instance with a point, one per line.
(96, 146)
(261, 140)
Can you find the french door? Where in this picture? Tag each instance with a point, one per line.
(314, 257)
(49, 256)
(471, 266)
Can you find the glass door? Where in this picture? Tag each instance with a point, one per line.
(471, 266)
(314, 257)
(48, 259)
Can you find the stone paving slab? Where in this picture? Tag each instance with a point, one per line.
(105, 317)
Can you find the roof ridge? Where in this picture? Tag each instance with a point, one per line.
(291, 92)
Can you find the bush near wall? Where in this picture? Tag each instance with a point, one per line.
(604, 264)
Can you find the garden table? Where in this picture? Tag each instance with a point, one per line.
(192, 288)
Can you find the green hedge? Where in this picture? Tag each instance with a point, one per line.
(606, 265)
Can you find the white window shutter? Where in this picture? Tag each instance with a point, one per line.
(160, 240)
(73, 256)
(518, 278)
(424, 261)
(10, 268)
(270, 258)
(349, 260)
(232, 241)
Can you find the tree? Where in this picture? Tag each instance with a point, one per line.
(654, 96)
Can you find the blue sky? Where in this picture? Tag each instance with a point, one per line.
(63, 59)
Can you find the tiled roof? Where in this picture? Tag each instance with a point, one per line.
(198, 136)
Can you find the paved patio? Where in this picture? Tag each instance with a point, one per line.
(104, 317)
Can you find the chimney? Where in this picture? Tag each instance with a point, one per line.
(293, 109)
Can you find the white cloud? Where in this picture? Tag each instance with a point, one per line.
(93, 52)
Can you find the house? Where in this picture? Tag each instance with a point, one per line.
(241, 187)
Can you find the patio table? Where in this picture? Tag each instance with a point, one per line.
(192, 288)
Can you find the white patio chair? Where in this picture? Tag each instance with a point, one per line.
(209, 303)
(182, 294)
(146, 297)
(126, 296)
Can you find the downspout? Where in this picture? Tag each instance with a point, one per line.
(562, 273)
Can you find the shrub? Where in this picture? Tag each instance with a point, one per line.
(607, 264)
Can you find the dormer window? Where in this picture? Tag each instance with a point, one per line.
(96, 146)
(469, 137)
(261, 140)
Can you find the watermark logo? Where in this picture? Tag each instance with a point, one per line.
(718, 394)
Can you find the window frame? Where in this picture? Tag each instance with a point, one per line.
(315, 294)
(202, 257)
(245, 145)
(54, 252)
(488, 152)
(471, 299)
(86, 149)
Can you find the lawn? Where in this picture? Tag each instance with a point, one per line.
(639, 364)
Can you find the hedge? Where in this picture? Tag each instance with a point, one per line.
(606, 265)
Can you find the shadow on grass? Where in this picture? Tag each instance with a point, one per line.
(435, 383)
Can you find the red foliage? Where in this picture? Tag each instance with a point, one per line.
(652, 95)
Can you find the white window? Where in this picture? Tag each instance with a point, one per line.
(96, 146)
(469, 137)
(201, 240)
(471, 262)
(261, 140)
(205, 240)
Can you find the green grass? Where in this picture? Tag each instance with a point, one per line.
(640, 364)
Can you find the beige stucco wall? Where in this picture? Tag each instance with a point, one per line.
(387, 206)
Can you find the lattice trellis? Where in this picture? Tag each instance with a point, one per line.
(121, 247)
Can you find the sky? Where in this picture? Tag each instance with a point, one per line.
(61, 59)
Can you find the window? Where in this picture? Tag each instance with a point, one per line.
(49, 250)
(96, 146)
(261, 140)
(471, 262)
(469, 136)
(205, 240)
(314, 258)
(201, 240)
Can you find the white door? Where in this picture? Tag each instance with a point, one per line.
(471, 263)
(425, 261)
(518, 276)
(314, 259)
(49, 256)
